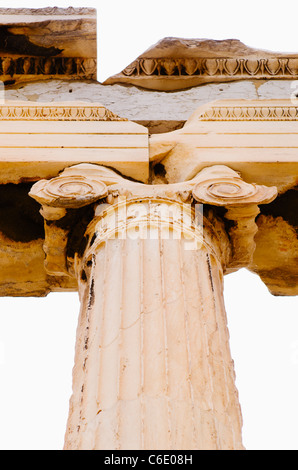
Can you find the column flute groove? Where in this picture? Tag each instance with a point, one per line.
(195, 432)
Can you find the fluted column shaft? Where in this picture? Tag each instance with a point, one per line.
(153, 368)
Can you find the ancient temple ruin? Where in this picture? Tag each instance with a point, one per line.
(141, 193)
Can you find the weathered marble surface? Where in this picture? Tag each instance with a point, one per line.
(39, 140)
(48, 42)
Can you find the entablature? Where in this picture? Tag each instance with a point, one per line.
(255, 139)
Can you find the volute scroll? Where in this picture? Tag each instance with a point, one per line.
(68, 191)
(221, 186)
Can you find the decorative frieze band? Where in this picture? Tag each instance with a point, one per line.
(12, 68)
(250, 113)
(63, 112)
(282, 67)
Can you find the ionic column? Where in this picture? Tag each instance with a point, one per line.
(153, 368)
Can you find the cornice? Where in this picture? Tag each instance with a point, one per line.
(174, 64)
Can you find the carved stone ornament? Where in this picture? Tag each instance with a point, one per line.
(38, 68)
(221, 186)
(256, 138)
(68, 192)
(33, 111)
(175, 63)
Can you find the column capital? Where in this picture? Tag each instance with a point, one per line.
(84, 185)
(152, 365)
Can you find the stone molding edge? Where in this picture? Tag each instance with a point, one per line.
(84, 184)
(275, 67)
(250, 112)
(56, 112)
(174, 74)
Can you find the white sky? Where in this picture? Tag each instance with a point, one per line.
(37, 336)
